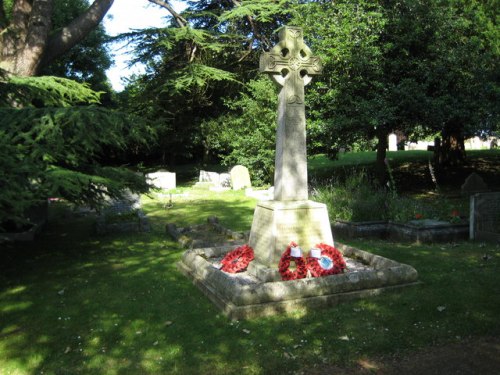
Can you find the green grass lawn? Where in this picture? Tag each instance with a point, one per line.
(77, 303)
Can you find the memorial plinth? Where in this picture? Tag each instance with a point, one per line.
(276, 223)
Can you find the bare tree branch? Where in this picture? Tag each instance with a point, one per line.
(181, 21)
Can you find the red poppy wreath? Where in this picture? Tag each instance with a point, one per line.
(331, 262)
(238, 259)
(284, 265)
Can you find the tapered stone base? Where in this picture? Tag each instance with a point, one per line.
(276, 223)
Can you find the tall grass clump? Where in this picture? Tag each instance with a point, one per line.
(358, 198)
(354, 199)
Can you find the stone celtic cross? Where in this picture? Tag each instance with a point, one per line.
(290, 64)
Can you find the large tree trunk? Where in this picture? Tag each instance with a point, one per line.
(451, 150)
(25, 42)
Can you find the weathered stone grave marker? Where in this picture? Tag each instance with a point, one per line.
(290, 216)
(128, 207)
(485, 217)
(240, 178)
(215, 181)
(473, 184)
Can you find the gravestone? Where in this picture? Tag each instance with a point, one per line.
(240, 178)
(485, 217)
(212, 177)
(290, 216)
(129, 203)
(393, 142)
(162, 179)
(473, 184)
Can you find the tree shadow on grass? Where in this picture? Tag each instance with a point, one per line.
(76, 303)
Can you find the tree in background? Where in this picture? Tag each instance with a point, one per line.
(418, 67)
(246, 133)
(463, 80)
(203, 56)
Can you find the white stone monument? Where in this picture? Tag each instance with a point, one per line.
(393, 142)
(290, 216)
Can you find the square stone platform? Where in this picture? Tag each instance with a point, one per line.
(244, 295)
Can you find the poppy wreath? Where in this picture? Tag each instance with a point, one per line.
(237, 260)
(284, 265)
(315, 268)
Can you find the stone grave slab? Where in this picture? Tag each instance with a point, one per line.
(206, 176)
(393, 142)
(122, 215)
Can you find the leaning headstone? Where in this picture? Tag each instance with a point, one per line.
(393, 142)
(162, 179)
(485, 217)
(240, 178)
(474, 184)
(290, 216)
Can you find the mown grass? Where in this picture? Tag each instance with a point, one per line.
(77, 303)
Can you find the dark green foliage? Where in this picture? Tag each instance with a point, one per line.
(246, 134)
(193, 67)
(55, 150)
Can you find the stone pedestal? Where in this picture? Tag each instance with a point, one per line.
(276, 223)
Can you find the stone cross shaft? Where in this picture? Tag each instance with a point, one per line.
(290, 64)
